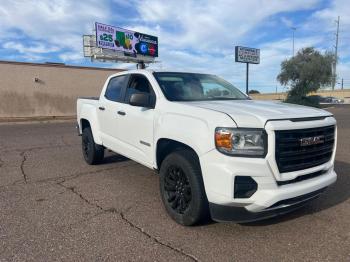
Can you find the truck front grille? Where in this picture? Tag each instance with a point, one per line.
(303, 148)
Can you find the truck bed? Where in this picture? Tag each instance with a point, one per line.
(86, 106)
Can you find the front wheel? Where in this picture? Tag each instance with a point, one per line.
(93, 153)
(182, 189)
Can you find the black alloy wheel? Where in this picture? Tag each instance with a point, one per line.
(86, 146)
(182, 189)
(92, 152)
(177, 189)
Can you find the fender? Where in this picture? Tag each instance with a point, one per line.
(192, 130)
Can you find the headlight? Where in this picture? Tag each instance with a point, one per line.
(241, 141)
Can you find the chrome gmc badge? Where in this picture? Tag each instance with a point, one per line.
(314, 140)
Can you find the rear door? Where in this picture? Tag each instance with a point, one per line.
(109, 106)
(137, 124)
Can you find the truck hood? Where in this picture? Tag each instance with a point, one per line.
(251, 113)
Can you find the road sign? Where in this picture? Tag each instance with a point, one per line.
(247, 55)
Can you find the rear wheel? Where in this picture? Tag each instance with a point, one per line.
(182, 188)
(93, 153)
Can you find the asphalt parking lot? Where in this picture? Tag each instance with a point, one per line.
(54, 207)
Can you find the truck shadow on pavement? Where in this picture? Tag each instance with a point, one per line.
(114, 158)
(333, 196)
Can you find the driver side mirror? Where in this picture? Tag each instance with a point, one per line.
(141, 100)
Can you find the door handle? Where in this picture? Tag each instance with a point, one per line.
(122, 113)
(101, 108)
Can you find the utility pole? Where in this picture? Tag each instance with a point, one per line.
(336, 55)
(247, 80)
(293, 30)
(342, 83)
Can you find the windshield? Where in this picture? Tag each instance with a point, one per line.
(196, 87)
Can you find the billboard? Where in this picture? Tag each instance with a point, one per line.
(247, 55)
(130, 42)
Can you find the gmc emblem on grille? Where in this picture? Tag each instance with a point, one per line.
(314, 140)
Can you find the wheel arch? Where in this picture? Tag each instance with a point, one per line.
(165, 146)
(84, 123)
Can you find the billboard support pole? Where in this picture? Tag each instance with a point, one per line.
(141, 65)
(247, 79)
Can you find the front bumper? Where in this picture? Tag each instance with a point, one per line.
(223, 213)
(219, 172)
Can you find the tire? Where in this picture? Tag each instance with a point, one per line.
(93, 153)
(182, 189)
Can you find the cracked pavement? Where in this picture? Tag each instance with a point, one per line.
(54, 207)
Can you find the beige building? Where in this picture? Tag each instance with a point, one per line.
(45, 90)
(51, 90)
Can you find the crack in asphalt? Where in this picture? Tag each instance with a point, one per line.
(66, 178)
(142, 231)
(38, 148)
(25, 176)
(73, 190)
(73, 176)
(21, 167)
(103, 210)
(126, 220)
(24, 159)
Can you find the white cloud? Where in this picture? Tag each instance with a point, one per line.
(26, 57)
(75, 57)
(324, 20)
(211, 26)
(262, 76)
(329, 15)
(287, 22)
(212, 30)
(60, 23)
(36, 48)
(193, 35)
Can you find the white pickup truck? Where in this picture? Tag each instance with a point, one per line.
(218, 153)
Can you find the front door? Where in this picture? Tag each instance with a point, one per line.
(137, 124)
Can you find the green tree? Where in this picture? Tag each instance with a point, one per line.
(306, 72)
(253, 92)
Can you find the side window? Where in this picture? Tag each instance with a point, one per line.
(115, 87)
(138, 84)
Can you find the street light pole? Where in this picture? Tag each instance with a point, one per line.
(335, 55)
(293, 30)
(247, 80)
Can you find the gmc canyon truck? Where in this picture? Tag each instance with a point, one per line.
(218, 153)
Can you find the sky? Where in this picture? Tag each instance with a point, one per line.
(196, 36)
